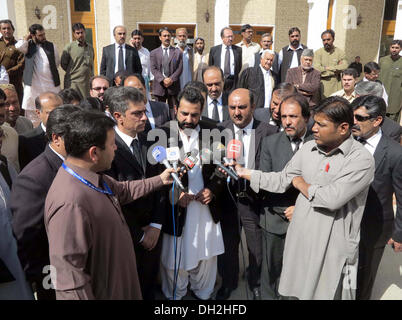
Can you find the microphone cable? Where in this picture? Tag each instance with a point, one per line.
(239, 230)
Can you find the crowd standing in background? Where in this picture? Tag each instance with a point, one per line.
(157, 164)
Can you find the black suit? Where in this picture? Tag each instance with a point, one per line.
(245, 212)
(276, 151)
(378, 224)
(30, 145)
(109, 60)
(141, 212)
(27, 202)
(160, 113)
(215, 60)
(253, 79)
(225, 111)
(275, 66)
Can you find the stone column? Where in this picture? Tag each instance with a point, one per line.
(221, 18)
(317, 22)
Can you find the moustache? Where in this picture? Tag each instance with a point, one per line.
(356, 127)
(183, 125)
(295, 43)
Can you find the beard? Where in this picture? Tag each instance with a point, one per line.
(185, 125)
(182, 44)
(295, 43)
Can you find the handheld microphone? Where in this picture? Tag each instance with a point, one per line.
(173, 155)
(159, 154)
(191, 159)
(216, 157)
(219, 150)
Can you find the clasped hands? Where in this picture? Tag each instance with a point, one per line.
(204, 196)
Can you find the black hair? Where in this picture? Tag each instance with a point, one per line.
(301, 101)
(192, 95)
(78, 26)
(284, 89)
(85, 130)
(371, 66)
(330, 31)
(244, 27)
(136, 32)
(57, 122)
(375, 105)
(337, 109)
(396, 41)
(164, 29)
(92, 103)
(350, 72)
(2, 95)
(223, 30)
(198, 85)
(35, 27)
(294, 29)
(68, 95)
(7, 21)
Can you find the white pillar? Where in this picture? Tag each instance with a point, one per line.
(7, 10)
(317, 22)
(398, 22)
(115, 16)
(221, 18)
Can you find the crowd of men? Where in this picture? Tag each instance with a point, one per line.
(156, 165)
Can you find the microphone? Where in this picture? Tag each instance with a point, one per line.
(159, 154)
(173, 155)
(216, 158)
(220, 149)
(191, 159)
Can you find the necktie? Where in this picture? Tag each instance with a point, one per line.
(297, 142)
(137, 152)
(121, 59)
(226, 70)
(165, 62)
(215, 113)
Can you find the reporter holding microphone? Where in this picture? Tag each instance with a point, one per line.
(333, 173)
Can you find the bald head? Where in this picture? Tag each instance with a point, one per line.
(45, 103)
(241, 107)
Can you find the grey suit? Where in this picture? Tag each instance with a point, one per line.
(276, 151)
(132, 61)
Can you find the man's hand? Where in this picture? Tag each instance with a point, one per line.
(397, 246)
(204, 196)
(151, 236)
(185, 199)
(167, 82)
(166, 176)
(289, 212)
(243, 172)
(27, 37)
(301, 185)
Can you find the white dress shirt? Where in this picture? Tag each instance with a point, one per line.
(372, 142)
(267, 86)
(4, 78)
(128, 141)
(58, 154)
(116, 50)
(248, 142)
(145, 63)
(293, 144)
(295, 60)
(211, 107)
(150, 115)
(232, 62)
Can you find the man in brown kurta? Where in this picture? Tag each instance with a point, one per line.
(90, 245)
(10, 57)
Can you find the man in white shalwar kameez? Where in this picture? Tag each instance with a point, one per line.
(200, 241)
(333, 174)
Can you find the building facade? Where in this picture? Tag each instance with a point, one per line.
(362, 27)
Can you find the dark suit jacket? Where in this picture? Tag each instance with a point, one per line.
(215, 60)
(160, 112)
(175, 70)
(125, 166)
(30, 145)
(275, 66)
(253, 79)
(109, 60)
(225, 111)
(392, 129)
(311, 84)
(387, 181)
(27, 202)
(213, 180)
(276, 151)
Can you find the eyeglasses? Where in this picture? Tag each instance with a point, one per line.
(362, 118)
(99, 88)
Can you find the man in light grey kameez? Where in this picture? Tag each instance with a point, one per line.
(321, 249)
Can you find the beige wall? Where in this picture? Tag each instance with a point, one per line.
(364, 40)
(288, 15)
(102, 26)
(254, 12)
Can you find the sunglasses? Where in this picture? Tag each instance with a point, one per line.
(362, 118)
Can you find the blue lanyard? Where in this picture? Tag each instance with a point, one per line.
(86, 182)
